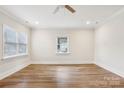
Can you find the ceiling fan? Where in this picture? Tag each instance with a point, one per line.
(68, 7)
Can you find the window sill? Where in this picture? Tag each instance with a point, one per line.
(60, 53)
(14, 56)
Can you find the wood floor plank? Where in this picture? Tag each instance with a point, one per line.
(63, 76)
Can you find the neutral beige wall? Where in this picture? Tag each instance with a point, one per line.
(11, 65)
(110, 45)
(44, 46)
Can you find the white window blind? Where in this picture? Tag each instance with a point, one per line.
(10, 44)
(22, 42)
(14, 43)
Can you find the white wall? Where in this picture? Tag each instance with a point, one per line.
(10, 66)
(44, 46)
(109, 45)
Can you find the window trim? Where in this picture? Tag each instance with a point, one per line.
(17, 53)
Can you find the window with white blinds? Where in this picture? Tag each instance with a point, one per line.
(14, 43)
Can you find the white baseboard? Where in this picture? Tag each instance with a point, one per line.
(13, 70)
(111, 69)
(62, 62)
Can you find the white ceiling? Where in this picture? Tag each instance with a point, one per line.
(62, 19)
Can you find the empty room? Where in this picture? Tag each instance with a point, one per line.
(61, 46)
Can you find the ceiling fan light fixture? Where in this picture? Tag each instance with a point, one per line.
(68, 7)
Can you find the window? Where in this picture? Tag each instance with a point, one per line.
(22, 42)
(62, 45)
(14, 43)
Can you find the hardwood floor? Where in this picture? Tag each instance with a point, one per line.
(62, 76)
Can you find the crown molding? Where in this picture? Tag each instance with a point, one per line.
(15, 18)
(62, 29)
(110, 18)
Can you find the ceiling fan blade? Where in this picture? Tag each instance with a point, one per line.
(70, 8)
(56, 10)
